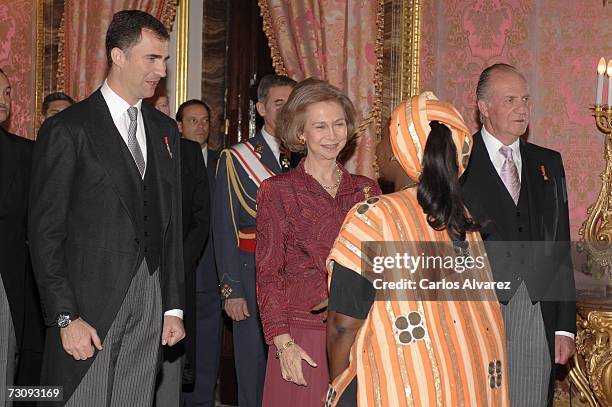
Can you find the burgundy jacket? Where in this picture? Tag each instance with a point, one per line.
(297, 223)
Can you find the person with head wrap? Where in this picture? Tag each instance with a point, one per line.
(400, 347)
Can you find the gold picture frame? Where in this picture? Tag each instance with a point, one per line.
(402, 36)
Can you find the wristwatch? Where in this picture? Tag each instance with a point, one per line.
(64, 319)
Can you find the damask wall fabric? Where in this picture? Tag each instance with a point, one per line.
(18, 61)
(83, 64)
(339, 41)
(557, 44)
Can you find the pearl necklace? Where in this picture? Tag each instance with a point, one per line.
(328, 187)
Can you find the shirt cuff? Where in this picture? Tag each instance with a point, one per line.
(565, 333)
(174, 313)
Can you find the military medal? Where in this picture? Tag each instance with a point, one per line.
(167, 146)
(543, 172)
(285, 163)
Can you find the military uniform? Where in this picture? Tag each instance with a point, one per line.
(234, 212)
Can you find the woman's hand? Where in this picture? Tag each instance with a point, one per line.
(291, 360)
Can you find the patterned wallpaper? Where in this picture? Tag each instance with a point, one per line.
(17, 60)
(557, 45)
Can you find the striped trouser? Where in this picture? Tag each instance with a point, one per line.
(8, 348)
(528, 354)
(123, 373)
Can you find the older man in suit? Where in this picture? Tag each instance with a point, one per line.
(516, 191)
(15, 163)
(193, 118)
(105, 228)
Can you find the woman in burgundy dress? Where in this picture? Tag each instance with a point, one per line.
(299, 215)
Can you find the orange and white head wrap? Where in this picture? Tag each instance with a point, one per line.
(409, 129)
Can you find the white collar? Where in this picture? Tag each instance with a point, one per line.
(116, 104)
(272, 141)
(493, 145)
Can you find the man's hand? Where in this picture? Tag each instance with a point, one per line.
(79, 339)
(173, 330)
(236, 309)
(564, 349)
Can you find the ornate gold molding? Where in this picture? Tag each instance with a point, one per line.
(182, 52)
(591, 366)
(596, 231)
(168, 13)
(61, 53)
(410, 48)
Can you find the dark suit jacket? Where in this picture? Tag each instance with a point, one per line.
(196, 225)
(15, 164)
(86, 222)
(207, 280)
(211, 168)
(486, 197)
(233, 263)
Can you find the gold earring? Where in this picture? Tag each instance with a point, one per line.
(301, 140)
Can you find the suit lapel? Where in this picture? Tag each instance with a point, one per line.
(536, 190)
(211, 167)
(487, 193)
(114, 154)
(162, 154)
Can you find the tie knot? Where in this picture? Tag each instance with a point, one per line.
(506, 151)
(132, 113)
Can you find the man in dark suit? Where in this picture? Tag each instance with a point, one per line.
(234, 214)
(105, 228)
(15, 164)
(516, 191)
(179, 364)
(193, 118)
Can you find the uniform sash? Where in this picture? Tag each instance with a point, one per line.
(250, 161)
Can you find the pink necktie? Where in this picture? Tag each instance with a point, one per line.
(509, 174)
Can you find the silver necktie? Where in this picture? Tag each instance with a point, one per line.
(133, 142)
(509, 174)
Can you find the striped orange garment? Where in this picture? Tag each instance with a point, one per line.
(459, 358)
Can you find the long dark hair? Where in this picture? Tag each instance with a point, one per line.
(439, 191)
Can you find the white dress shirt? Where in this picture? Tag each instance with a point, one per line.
(205, 153)
(493, 145)
(273, 143)
(118, 109)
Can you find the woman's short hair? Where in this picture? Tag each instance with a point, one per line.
(292, 118)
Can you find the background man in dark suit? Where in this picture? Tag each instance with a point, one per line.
(193, 118)
(516, 191)
(105, 227)
(233, 235)
(179, 364)
(15, 164)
